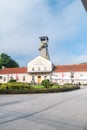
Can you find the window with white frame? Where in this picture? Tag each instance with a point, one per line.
(4, 78)
(38, 68)
(17, 78)
(23, 78)
(45, 77)
(33, 79)
(81, 74)
(0, 77)
(32, 68)
(44, 68)
(11, 78)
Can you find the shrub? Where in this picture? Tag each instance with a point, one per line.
(57, 86)
(15, 86)
(0, 84)
(4, 87)
(46, 83)
(12, 80)
(68, 84)
(21, 88)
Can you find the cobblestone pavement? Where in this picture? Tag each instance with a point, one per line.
(55, 111)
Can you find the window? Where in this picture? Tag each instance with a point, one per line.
(0, 77)
(17, 78)
(4, 78)
(32, 68)
(81, 74)
(44, 68)
(23, 78)
(45, 77)
(38, 68)
(11, 78)
(33, 79)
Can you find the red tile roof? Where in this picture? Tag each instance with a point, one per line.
(69, 68)
(13, 70)
(59, 68)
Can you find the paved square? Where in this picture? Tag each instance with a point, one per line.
(55, 111)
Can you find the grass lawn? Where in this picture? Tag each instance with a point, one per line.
(37, 86)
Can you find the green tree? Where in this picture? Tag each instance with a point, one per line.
(7, 61)
(0, 66)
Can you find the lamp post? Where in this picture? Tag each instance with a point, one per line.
(72, 76)
(84, 4)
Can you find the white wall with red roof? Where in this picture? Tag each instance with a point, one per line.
(42, 68)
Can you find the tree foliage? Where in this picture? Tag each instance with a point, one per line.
(7, 61)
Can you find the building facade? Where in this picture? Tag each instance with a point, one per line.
(42, 68)
(70, 74)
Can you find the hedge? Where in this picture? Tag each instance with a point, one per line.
(32, 91)
(15, 86)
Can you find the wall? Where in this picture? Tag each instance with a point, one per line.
(65, 77)
(40, 64)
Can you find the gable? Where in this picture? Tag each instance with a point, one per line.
(39, 64)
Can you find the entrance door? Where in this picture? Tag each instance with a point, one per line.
(39, 79)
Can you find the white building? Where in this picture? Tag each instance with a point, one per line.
(42, 68)
(39, 69)
(36, 71)
(71, 73)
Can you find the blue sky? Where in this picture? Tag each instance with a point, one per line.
(22, 22)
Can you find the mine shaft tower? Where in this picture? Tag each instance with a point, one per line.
(44, 47)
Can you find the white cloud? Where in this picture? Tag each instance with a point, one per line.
(23, 21)
(80, 59)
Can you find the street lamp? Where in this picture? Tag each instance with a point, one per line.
(72, 76)
(85, 4)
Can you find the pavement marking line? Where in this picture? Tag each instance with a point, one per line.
(45, 109)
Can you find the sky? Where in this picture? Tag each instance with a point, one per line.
(22, 22)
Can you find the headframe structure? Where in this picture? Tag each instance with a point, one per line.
(44, 47)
